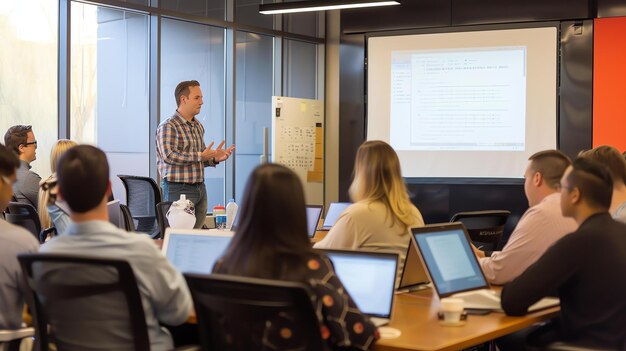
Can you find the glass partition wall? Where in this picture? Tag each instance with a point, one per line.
(103, 72)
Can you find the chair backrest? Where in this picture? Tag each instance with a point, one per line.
(24, 215)
(129, 223)
(161, 211)
(485, 228)
(86, 302)
(238, 313)
(142, 195)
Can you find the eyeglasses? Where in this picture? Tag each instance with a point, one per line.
(31, 143)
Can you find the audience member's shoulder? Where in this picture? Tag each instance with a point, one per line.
(17, 236)
(365, 208)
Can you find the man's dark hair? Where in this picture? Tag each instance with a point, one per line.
(8, 161)
(183, 89)
(551, 164)
(83, 177)
(611, 158)
(593, 180)
(16, 136)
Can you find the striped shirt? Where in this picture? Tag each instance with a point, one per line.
(179, 147)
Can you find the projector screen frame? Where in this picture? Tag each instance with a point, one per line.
(470, 28)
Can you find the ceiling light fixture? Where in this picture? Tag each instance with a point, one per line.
(321, 5)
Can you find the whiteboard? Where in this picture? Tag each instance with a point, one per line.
(298, 142)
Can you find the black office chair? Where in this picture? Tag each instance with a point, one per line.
(238, 314)
(70, 294)
(142, 195)
(161, 211)
(10, 340)
(24, 215)
(129, 222)
(485, 228)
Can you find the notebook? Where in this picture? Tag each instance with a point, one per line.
(195, 250)
(370, 278)
(414, 274)
(335, 209)
(313, 213)
(454, 270)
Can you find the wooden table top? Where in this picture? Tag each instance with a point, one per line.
(415, 315)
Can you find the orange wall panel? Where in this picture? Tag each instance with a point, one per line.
(609, 82)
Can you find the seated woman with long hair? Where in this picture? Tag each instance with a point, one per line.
(382, 215)
(271, 242)
(53, 212)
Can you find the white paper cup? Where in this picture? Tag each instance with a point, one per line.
(452, 309)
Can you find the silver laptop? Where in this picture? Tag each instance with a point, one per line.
(454, 270)
(370, 278)
(414, 276)
(115, 214)
(335, 209)
(195, 250)
(313, 214)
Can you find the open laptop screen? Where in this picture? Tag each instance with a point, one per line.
(369, 277)
(195, 251)
(115, 214)
(313, 213)
(335, 209)
(450, 260)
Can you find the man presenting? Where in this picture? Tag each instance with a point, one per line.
(182, 154)
(540, 226)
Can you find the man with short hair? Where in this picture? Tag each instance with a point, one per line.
(14, 240)
(83, 182)
(540, 226)
(182, 154)
(586, 268)
(21, 140)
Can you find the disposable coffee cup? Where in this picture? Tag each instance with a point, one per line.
(452, 309)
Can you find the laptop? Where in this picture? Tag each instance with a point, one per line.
(454, 269)
(335, 209)
(414, 276)
(195, 250)
(115, 214)
(370, 278)
(313, 214)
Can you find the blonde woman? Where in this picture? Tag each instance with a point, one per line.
(382, 213)
(51, 212)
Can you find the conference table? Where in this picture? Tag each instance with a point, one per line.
(415, 315)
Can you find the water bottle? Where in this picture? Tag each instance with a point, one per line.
(219, 213)
(231, 213)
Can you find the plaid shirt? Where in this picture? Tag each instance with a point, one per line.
(179, 146)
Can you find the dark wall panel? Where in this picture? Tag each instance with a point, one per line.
(351, 106)
(411, 14)
(498, 11)
(438, 202)
(611, 8)
(576, 86)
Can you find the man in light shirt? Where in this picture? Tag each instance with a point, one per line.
(540, 226)
(83, 181)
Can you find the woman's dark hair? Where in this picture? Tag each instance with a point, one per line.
(271, 239)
